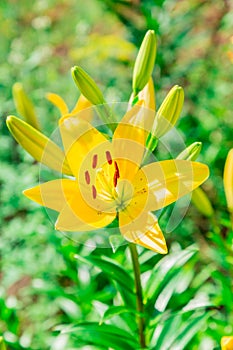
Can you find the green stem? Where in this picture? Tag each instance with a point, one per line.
(139, 298)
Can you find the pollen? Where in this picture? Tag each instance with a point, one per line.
(109, 157)
(94, 161)
(94, 192)
(116, 174)
(87, 177)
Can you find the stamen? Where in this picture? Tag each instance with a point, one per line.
(87, 177)
(94, 192)
(116, 174)
(109, 157)
(94, 161)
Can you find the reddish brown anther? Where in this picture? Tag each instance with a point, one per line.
(94, 192)
(87, 177)
(116, 174)
(94, 161)
(109, 157)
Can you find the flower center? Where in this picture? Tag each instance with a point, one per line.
(101, 183)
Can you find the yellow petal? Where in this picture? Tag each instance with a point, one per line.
(83, 109)
(57, 101)
(77, 215)
(227, 343)
(228, 180)
(148, 95)
(38, 145)
(53, 194)
(144, 231)
(171, 179)
(129, 140)
(80, 139)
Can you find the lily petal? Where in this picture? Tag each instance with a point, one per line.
(85, 106)
(57, 101)
(171, 179)
(129, 141)
(144, 231)
(148, 95)
(53, 194)
(77, 215)
(80, 139)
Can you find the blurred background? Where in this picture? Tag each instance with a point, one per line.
(42, 285)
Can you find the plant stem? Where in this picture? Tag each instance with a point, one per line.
(139, 298)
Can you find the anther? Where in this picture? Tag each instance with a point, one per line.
(87, 177)
(94, 161)
(94, 192)
(116, 174)
(109, 157)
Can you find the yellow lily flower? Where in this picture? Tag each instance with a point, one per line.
(82, 105)
(227, 343)
(110, 182)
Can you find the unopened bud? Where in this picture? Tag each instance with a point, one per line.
(144, 63)
(39, 146)
(228, 180)
(24, 105)
(169, 111)
(191, 152)
(87, 86)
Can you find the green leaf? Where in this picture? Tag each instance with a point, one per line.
(105, 335)
(165, 270)
(112, 269)
(116, 310)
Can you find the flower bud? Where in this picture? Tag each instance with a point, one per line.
(228, 180)
(169, 111)
(202, 202)
(144, 63)
(191, 152)
(87, 86)
(199, 198)
(24, 106)
(40, 147)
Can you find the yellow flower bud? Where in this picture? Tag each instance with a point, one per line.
(228, 180)
(191, 152)
(87, 86)
(227, 343)
(38, 145)
(24, 106)
(169, 111)
(144, 63)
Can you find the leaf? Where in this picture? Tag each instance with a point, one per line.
(165, 270)
(105, 335)
(112, 269)
(116, 310)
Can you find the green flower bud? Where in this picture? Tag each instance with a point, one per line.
(24, 106)
(169, 111)
(87, 86)
(144, 63)
(199, 198)
(191, 152)
(40, 147)
(202, 202)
